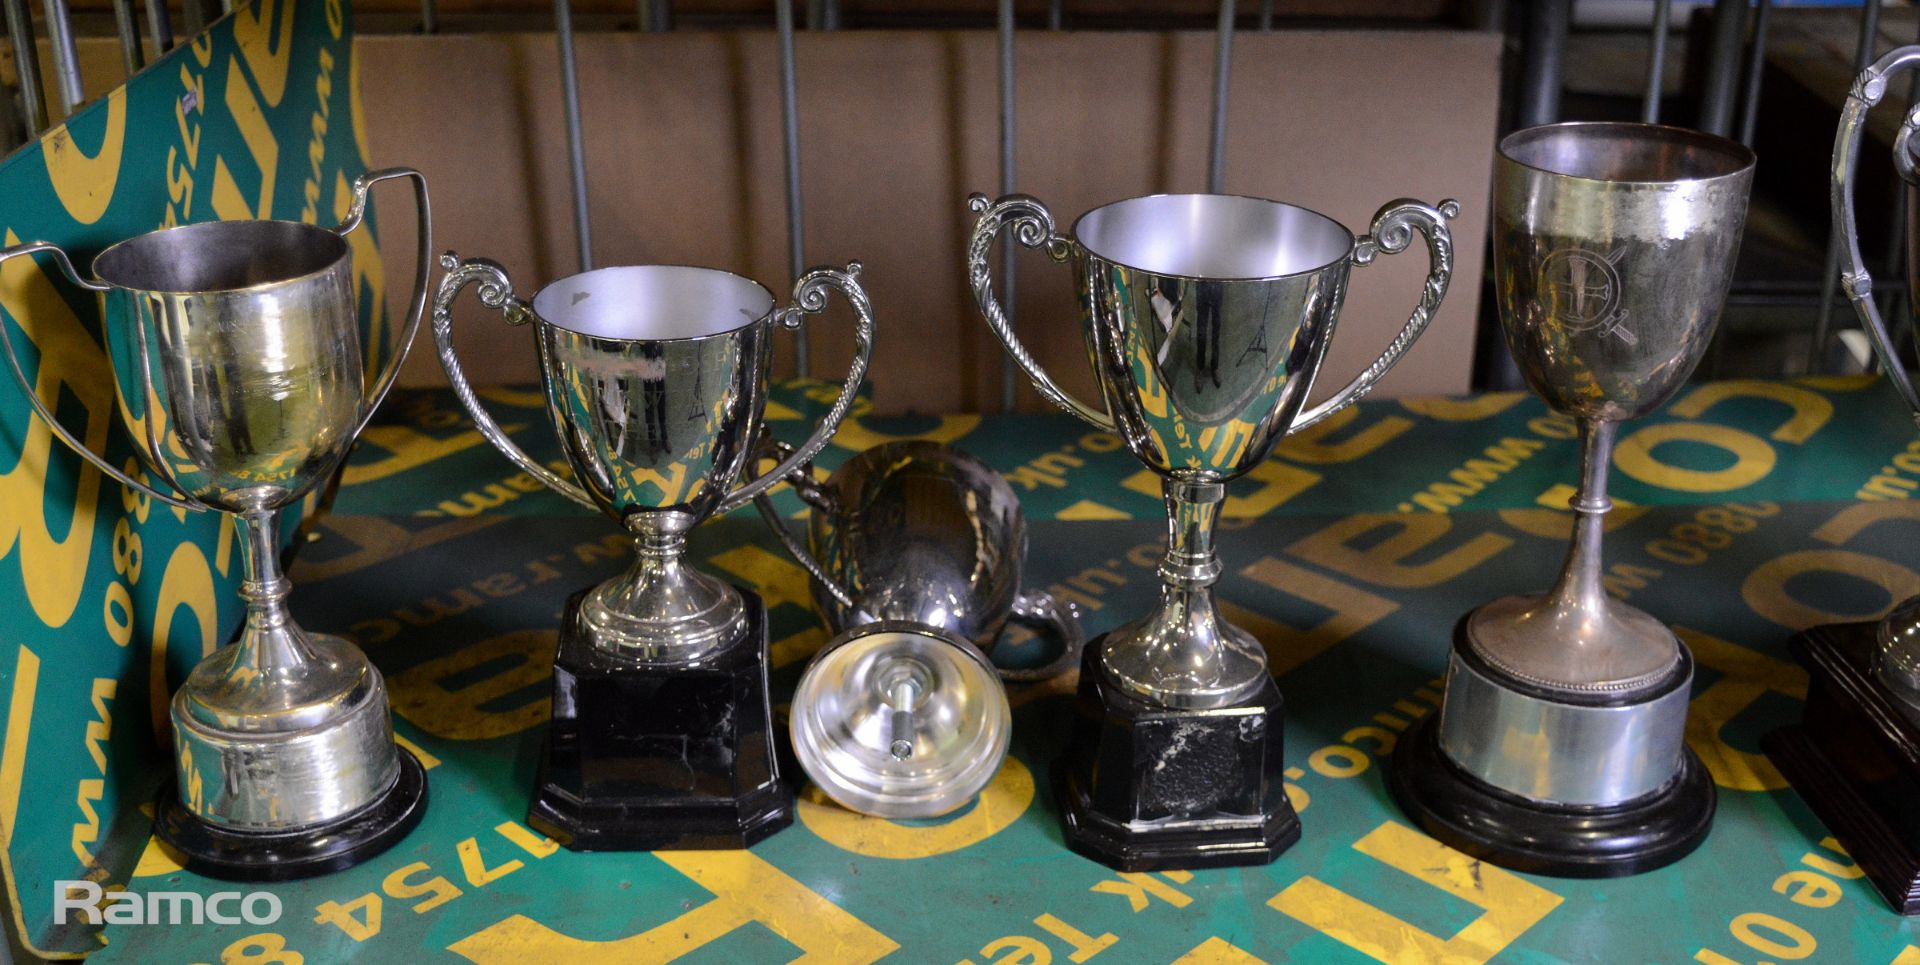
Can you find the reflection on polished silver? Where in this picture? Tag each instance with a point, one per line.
(916, 550)
(1897, 664)
(239, 371)
(1614, 245)
(1206, 319)
(656, 379)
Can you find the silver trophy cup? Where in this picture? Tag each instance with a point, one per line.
(238, 364)
(915, 551)
(1206, 319)
(1562, 736)
(656, 381)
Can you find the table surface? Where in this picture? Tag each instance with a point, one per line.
(1747, 510)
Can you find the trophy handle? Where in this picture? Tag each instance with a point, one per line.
(1058, 618)
(1392, 232)
(1032, 227)
(1867, 91)
(362, 185)
(809, 298)
(33, 397)
(496, 291)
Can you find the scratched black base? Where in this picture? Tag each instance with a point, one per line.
(1536, 837)
(1147, 788)
(660, 758)
(253, 856)
(1856, 759)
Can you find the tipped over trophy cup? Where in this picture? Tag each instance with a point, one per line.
(1560, 746)
(1856, 757)
(240, 375)
(915, 551)
(1206, 319)
(656, 381)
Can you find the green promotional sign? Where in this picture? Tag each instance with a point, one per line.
(108, 598)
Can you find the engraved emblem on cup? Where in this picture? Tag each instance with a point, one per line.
(1206, 320)
(656, 380)
(1897, 659)
(915, 550)
(238, 364)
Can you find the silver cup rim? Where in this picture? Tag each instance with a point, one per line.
(1740, 152)
(345, 250)
(762, 318)
(1075, 232)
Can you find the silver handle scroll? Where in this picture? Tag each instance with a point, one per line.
(496, 292)
(33, 396)
(1392, 232)
(1867, 91)
(810, 298)
(1033, 227)
(422, 273)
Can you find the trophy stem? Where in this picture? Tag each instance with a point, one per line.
(661, 610)
(1579, 588)
(270, 640)
(1183, 654)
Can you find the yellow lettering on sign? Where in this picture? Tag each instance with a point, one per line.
(1811, 410)
(1753, 458)
(1218, 951)
(777, 579)
(1380, 563)
(856, 435)
(84, 183)
(1311, 445)
(267, 55)
(1513, 904)
(1745, 675)
(746, 889)
(187, 582)
(1000, 804)
(1353, 609)
(407, 448)
(520, 660)
(1470, 409)
(71, 365)
(1765, 589)
(257, 134)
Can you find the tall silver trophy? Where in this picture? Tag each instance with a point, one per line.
(656, 381)
(915, 551)
(1560, 747)
(240, 374)
(1206, 319)
(1857, 754)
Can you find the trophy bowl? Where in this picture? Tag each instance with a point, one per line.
(1560, 746)
(240, 377)
(656, 383)
(915, 550)
(1206, 319)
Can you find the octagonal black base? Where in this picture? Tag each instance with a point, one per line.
(1537, 837)
(232, 855)
(1144, 787)
(1856, 759)
(649, 758)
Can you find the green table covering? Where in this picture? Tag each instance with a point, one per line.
(1747, 510)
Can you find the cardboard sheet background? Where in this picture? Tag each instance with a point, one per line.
(107, 599)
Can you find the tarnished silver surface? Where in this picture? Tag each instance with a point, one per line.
(916, 550)
(1897, 663)
(1559, 752)
(1206, 318)
(1613, 248)
(240, 375)
(656, 378)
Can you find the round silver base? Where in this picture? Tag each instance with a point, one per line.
(1563, 747)
(677, 617)
(247, 763)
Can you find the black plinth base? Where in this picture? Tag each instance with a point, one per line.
(1146, 788)
(1537, 837)
(650, 758)
(1856, 759)
(232, 855)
